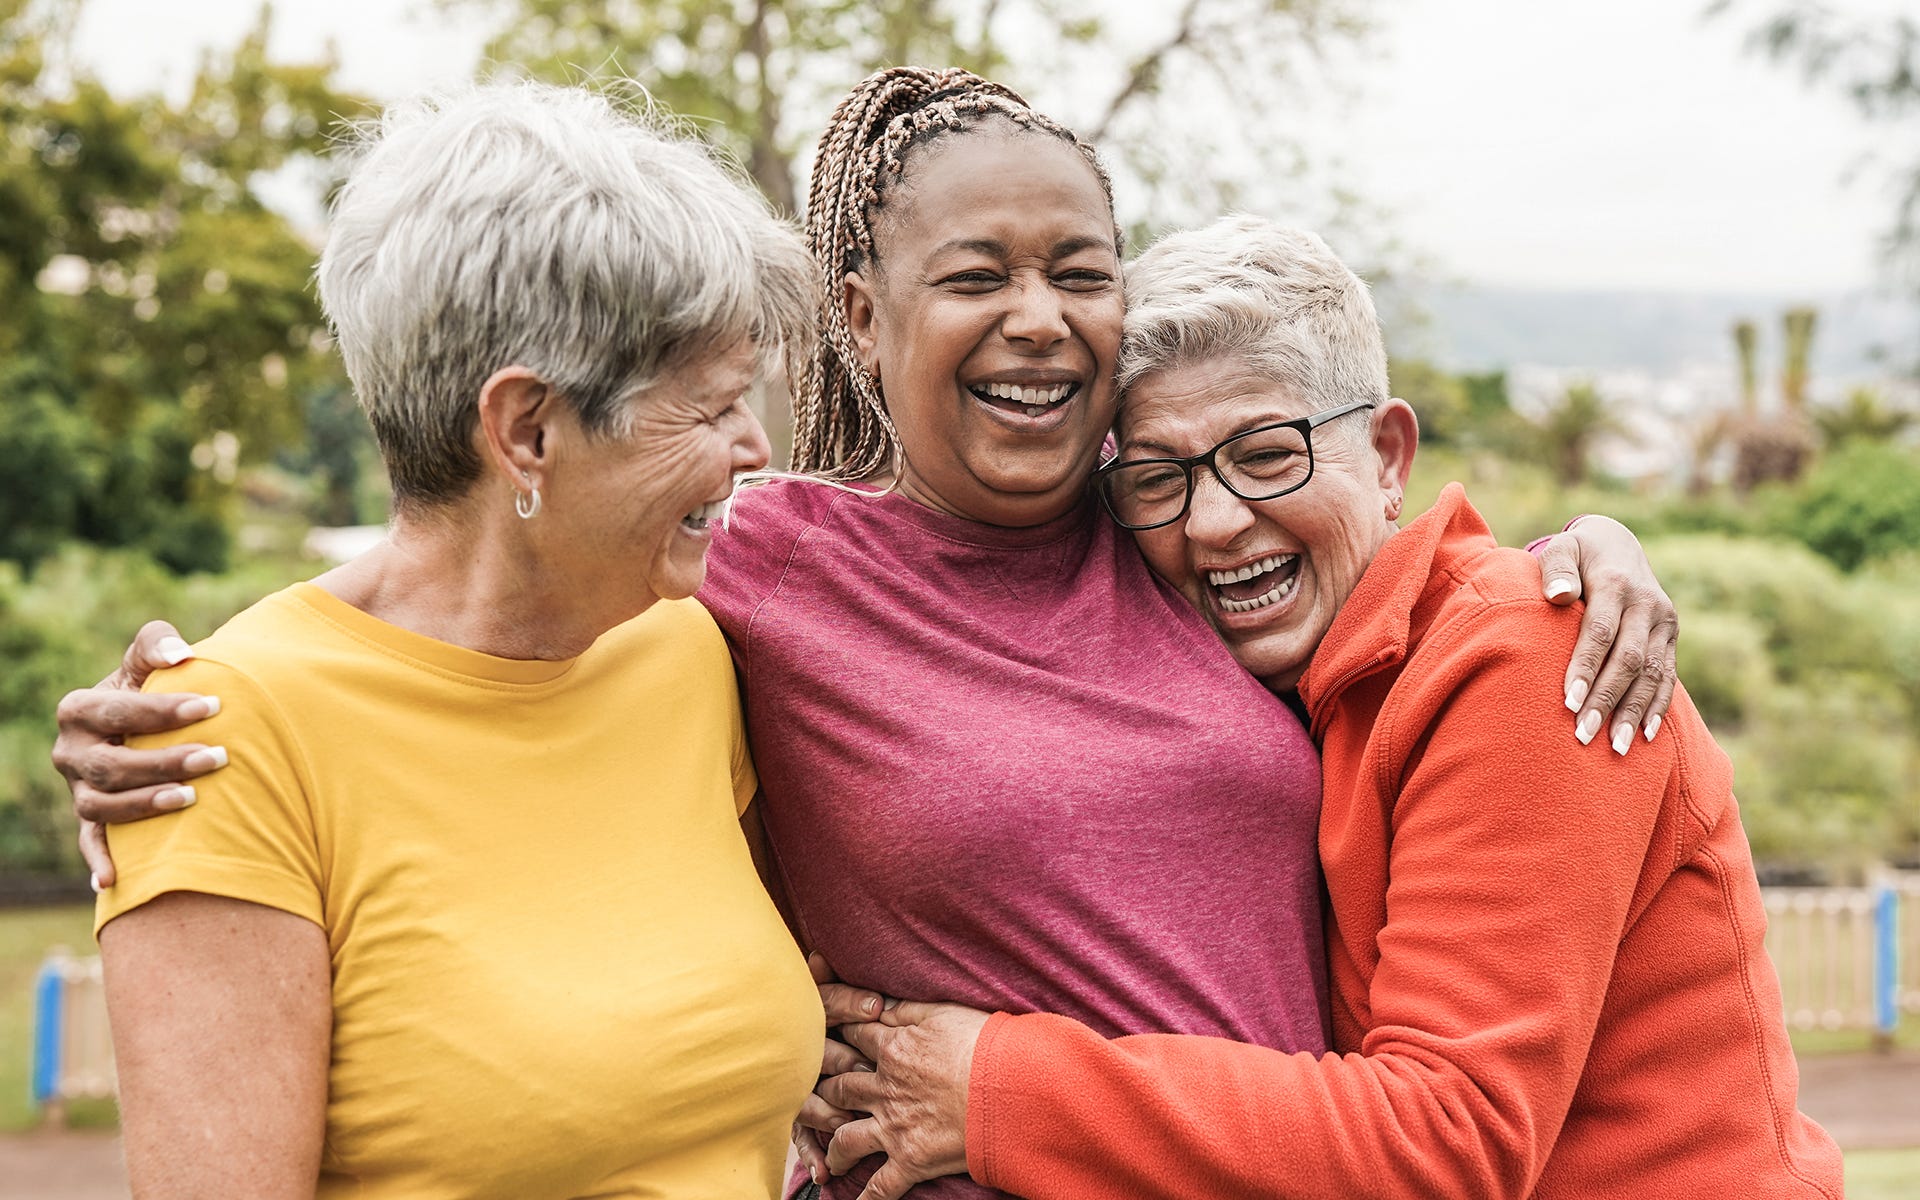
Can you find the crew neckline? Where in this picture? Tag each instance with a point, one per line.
(444, 657)
(978, 533)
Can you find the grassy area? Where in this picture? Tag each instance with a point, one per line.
(25, 937)
(1883, 1174)
(1813, 1043)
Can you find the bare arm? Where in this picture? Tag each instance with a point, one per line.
(222, 1018)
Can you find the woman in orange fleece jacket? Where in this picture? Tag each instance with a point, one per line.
(1548, 976)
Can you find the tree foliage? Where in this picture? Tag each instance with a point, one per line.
(1861, 503)
(152, 309)
(764, 74)
(1875, 64)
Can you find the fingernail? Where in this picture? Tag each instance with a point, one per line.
(1622, 737)
(1653, 726)
(175, 797)
(198, 709)
(1589, 725)
(870, 1005)
(1576, 692)
(891, 1005)
(1560, 587)
(94, 881)
(173, 651)
(210, 759)
(819, 1177)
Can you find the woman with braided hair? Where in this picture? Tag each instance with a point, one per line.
(999, 757)
(1001, 764)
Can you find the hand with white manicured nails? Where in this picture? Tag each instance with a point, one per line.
(112, 782)
(1621, 676)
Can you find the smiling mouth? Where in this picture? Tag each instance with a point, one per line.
(706, 514)
(1257, 584)
(1028, 401)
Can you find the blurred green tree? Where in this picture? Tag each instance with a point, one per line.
(1746, 345)
(1810, 679)
(1864, 416)
(1861, 503)
(766, 72)
(152, 309)
(762, 77)
(1441, 400)
(1567, 430)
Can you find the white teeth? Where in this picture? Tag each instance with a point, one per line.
(712, 510)
(1270, 563)
(1280, 592)
(1025, 395)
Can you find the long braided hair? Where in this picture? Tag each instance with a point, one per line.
(841, 427)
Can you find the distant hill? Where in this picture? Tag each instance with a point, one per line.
(1462, 328)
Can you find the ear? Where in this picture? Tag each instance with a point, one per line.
(516, 408)
(858, 299)
(1396, 437)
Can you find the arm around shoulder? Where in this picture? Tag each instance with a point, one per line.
(1513, 863)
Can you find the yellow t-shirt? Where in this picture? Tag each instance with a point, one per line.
(555, 973)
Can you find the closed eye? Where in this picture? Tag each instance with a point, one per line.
(1083, 280)
(972, 280)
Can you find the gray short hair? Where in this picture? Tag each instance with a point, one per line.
(590, 241)
(1275, 299)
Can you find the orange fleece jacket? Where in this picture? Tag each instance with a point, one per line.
(1546, 960)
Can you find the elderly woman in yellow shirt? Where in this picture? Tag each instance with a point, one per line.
(317, 977)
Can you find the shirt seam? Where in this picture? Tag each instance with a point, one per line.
(1757, 1044)
(811, 525)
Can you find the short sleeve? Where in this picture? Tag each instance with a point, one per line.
(250, 835)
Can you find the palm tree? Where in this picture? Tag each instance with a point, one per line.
(1746, 343)
(1864, 417)
(1798, 323)
(1568, 430)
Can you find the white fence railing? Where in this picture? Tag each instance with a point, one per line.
(72, 1047)
(1848, 958)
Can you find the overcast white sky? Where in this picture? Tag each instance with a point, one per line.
(1513, 141)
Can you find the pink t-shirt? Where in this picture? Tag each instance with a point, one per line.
(1008, 767)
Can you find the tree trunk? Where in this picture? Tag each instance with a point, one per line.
(769, 165)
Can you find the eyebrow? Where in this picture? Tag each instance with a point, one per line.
(998, 249)
(1162, 450)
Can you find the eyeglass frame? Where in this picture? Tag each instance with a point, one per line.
(1306, 425)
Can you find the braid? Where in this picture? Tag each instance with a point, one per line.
(841, 427)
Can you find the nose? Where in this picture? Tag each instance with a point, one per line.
(1037, 316)
(1215, 516)
(751, 450)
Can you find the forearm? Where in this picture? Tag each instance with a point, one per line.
(1513, 862)
(221, 1019)
(1057, 1112)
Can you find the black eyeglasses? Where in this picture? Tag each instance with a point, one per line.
(1254, 464)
